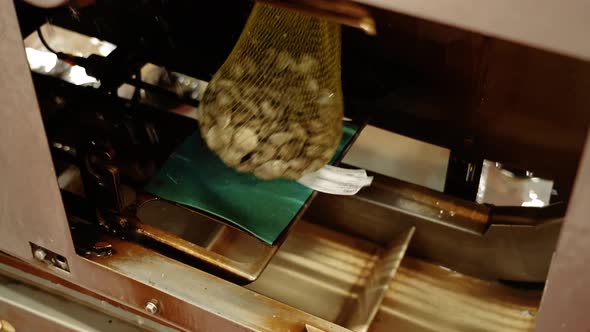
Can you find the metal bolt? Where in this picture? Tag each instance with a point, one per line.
(40, 254)
(151, 307)
(61, 262)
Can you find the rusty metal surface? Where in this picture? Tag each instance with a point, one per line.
(567, 294)
(8, 263)
(424, 297)
(444, 228)
(29, 308)
(218, 251)
(319, 262)
(207, 295)
(428, 204)
(333, 276)
(402, 198)
(221, 248)
(187, 298)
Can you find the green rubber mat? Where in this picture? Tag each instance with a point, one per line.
(195, 177)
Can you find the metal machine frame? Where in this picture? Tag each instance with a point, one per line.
(33, 213)
(32, 217)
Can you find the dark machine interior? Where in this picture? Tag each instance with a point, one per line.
(476, 95)
(479, 97)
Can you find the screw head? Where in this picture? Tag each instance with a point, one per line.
(151, 307)
(40, 254)
(60, 262)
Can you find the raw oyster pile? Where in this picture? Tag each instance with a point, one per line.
(284, 125)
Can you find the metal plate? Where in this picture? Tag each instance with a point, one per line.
(426, 297)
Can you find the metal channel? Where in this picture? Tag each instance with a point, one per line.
(445, 226)
(331, 275)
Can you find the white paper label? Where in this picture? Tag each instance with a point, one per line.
(336, 180)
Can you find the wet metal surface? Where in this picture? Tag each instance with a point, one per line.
(226, 249)
(424, 297)
(445, 226)
(332, 276)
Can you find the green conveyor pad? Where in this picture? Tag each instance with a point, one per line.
(195, 177)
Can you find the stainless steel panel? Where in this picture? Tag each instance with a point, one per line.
(567, 295)
(424, 297)
(30, 204)
(444, 228)
(553, 25)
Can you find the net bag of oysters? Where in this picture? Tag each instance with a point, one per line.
(274, 108)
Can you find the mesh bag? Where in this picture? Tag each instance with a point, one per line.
(274, 108)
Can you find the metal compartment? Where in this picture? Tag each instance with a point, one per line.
(331, 275)
(227, 250)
